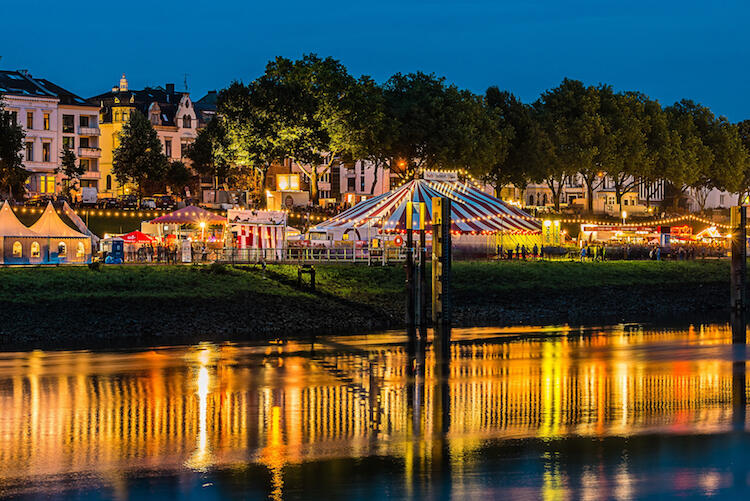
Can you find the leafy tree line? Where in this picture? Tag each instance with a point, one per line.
(313, 112)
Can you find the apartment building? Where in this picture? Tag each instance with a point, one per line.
(172, 114)
(51, 117)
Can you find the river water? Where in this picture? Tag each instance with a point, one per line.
(621, 412)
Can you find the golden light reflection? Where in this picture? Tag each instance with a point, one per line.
(210, 406)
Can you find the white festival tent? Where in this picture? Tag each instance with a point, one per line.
(63, 243)
(19, 244)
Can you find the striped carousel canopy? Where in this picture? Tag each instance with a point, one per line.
(472, 210)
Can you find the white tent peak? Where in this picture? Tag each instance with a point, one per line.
(10, 226)
(50, 225)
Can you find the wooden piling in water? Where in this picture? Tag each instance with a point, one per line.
(738, 299)
(441, 275)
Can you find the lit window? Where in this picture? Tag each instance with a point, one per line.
(62, 249)
(46, 121)
(80, 251)
(29, 152)
(45, 152)
(29, 120)
(35, 252)
(17, 249)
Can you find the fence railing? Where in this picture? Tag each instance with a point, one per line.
(312, 255)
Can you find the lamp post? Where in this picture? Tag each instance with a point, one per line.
(203, 228)
(624, 216)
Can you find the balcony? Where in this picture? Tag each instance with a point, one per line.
(88, 131)
(89, 152)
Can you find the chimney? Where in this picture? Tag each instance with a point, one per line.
(170, 88)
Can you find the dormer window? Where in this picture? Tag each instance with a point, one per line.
(187, 122)
(154, 119)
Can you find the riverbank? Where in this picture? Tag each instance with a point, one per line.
(120, 306)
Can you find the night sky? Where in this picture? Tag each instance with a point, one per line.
(668, 49)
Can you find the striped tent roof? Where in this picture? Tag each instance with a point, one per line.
(472, 210)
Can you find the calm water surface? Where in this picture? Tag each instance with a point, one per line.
(626, 412)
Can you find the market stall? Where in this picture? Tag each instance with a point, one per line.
(258, 234)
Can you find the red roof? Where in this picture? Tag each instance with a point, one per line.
(137, 237)
(190, 215)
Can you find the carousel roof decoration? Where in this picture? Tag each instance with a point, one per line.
(472, 211)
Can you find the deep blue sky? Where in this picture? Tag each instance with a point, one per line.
(668, 49)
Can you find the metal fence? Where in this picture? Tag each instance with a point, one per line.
(312, 255)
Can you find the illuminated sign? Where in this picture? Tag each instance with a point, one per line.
(440, 176)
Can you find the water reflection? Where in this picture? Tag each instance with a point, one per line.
(535, 408)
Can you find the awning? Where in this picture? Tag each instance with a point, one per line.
(137, 237)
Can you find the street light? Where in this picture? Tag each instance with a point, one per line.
(203, 227)
(624, 215)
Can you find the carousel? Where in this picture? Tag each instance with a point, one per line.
(480, 222)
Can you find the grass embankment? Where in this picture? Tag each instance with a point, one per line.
(78, 307)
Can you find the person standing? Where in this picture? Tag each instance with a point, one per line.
(583, 253)
(535, 250)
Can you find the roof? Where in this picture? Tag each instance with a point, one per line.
(21, 83)
(49, 225)
(190, 215)
(141, 100)
(10, 226)
(472, 210)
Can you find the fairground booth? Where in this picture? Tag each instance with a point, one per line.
(189, 223)
(257, 234)
(480, 222)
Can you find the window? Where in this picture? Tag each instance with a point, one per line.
(46, 121)
(29, 151)
(168, 147)
(187, 122)
(35, 251)
(117, 116)
(80, 251)
(109, 182)
(83, 120)
(17, 249)
(124, 116)
(84, 142)
(362, 183)
(45, 152)
(84, 163)
(67, 124)
(93, 165)
(721, 200)
(46, 184)
(350, 184)
(14, 117)
(89, 183)
(62, 249)
(154, 118)
(30, 120)
(69, 141)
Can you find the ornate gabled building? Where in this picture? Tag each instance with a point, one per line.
(172, 113)
(51, 117)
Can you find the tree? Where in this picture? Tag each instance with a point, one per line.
(249, 143)
(570, 114)
(12, 174)
(139, 158)
(178, 176)
(70, 169)
(430, 125)
(209, 152)
(623, 151)
(320, 114)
